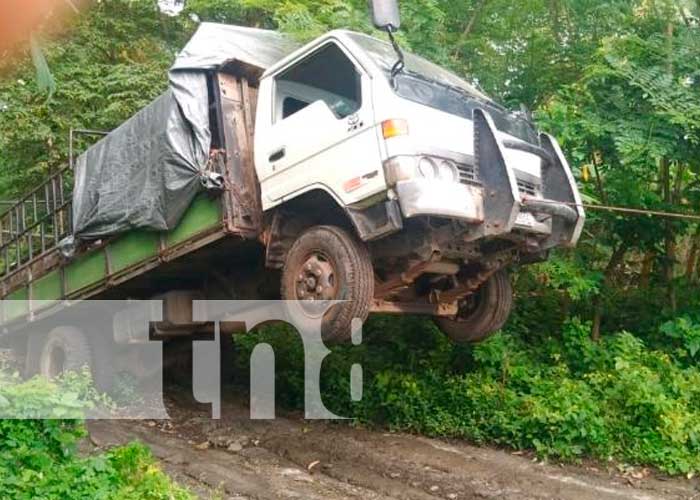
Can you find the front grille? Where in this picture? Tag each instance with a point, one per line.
(528, 188)
(468, 174)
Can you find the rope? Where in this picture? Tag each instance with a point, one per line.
(628, 210)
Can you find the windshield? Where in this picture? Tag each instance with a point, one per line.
(431, 85)
(384, 55)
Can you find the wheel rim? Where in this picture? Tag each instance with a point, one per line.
(316, 283)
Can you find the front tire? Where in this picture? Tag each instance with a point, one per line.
(327, 263)
(484, 314)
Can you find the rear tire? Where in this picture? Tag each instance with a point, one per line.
(69, 349)
(486, 315)
(327, 263)
(65, 349)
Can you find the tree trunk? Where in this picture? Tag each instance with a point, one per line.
(670, 236)
(599, 182)
(692, 258)
(616, 259)
(670, 263)
(472, 21)
(647, 268)
(671, 193)
(554, 16)
(470, 25)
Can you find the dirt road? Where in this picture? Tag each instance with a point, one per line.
(238, 458)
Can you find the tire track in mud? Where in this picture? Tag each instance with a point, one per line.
(292, 458)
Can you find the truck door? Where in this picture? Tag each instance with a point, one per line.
(322, 132)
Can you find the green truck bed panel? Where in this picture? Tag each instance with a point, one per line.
(49, 287)
(131, 249)
(203, 215)
(16, 305)
(85, 270)
(125, 253)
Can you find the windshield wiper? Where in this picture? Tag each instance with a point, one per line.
(454, 88)
(399, 65)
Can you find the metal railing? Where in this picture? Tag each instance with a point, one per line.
(37, 222)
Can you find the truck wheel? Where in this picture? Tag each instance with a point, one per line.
(327, 263)
(65, 349)
(482, 316)
(69, 349)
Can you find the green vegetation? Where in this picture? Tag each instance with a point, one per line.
(601, 357)
(39, 459)
(631, 398)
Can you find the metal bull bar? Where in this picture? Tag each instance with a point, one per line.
(502, 199)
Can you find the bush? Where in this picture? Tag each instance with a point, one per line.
(39, 459)
(684, 332)
(564, 396)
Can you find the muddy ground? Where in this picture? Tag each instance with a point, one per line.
(289, 457)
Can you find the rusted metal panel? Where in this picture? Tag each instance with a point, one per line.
(423, 308)
(238, 100)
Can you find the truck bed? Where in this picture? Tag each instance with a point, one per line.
(34, 274)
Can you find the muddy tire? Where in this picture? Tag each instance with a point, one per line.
(65, 349)
(485, 315)
(327, 263)
(69, 349)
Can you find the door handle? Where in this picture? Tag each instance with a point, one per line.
(278, 155)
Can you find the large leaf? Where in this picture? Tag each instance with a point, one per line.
(44, 78)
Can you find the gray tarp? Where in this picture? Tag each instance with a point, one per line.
(146, 172)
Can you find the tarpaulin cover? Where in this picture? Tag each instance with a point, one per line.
(146, 173)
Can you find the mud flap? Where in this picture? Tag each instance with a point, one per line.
(501, 196)
(559, 185)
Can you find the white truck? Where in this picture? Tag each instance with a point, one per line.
(342, 170)
(401, 188)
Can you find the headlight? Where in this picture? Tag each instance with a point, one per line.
(447, 171)
(427, 168)
(408, 167)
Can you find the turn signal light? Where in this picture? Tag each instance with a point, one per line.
(394, 128)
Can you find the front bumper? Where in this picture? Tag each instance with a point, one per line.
(441, 198)
(421, 197)
(498, 206)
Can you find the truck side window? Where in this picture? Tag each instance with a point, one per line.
(292, 105)
(326, 75)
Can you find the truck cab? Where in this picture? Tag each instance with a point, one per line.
(443, 187)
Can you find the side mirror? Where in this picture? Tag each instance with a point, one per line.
(385, 14)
